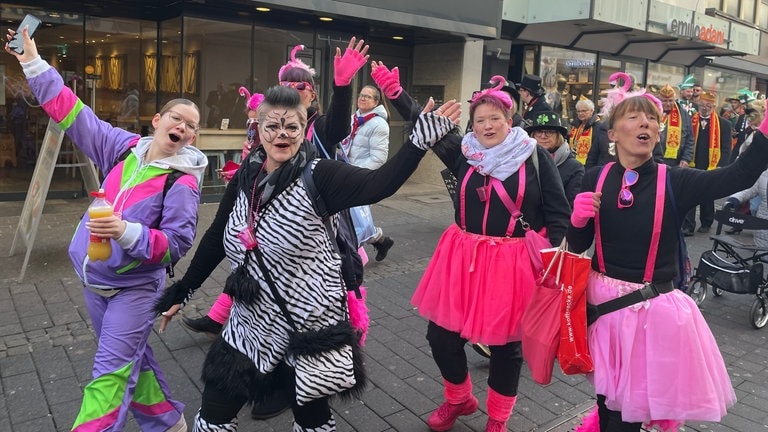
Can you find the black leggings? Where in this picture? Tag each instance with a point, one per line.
(448, 352)
(610, 421)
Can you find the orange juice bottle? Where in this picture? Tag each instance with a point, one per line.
(99, 248)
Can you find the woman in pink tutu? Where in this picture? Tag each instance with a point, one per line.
(656, 361)
(481, 277)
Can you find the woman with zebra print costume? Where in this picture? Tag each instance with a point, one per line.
(268, 199)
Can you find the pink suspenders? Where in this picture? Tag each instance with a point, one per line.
(657, 219)
(496, 185)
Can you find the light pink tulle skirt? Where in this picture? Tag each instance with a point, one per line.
(656, 360)
(477, 286)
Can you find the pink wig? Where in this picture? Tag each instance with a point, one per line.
(295, 63)
(621, 92)
(252, 100)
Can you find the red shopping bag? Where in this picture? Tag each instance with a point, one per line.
(573, 352)
(540, 324)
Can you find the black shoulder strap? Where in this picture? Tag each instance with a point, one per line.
(318, 204)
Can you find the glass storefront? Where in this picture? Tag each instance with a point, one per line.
(567, 75)
(125, 69)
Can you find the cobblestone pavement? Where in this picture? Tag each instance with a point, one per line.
(47, 343)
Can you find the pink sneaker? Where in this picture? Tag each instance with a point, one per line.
(446, 414)
(495, 426)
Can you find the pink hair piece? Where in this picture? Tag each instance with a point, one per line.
(624, 77)
(358, 313)
(295, 63)
(252, 100)
(617, 94)
(496, 92)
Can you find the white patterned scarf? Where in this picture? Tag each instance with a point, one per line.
(500, 161)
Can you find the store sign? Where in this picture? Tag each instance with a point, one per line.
(693, 30)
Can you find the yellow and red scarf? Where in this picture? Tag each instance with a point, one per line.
(581, 142)
(674, 132)
(714, 139)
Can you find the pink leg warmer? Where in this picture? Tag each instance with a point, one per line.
(500, 406)
(220, 309)
(590, 422)
(457, 393)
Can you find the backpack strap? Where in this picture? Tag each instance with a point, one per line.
(318, 203)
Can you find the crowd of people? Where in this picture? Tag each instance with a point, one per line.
(285, 330)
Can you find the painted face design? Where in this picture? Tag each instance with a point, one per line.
(282, 124)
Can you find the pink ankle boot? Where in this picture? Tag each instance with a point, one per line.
(459, 401)
(499, 410)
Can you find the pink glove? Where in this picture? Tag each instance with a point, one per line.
(388, 81)
(585, 206)
(345, 67)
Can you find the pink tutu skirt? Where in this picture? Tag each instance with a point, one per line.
(656, 360)
(477, 286)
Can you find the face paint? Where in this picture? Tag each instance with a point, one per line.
(283, 124)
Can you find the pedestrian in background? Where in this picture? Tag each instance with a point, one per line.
(367, 146)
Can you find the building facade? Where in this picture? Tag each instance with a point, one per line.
(124, 59)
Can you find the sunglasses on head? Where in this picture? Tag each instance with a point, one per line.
(300, 85)
(630, 178)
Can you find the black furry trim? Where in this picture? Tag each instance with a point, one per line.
(241, 286)
(177, 293)
(232, 372)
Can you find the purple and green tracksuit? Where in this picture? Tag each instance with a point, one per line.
(120, 292)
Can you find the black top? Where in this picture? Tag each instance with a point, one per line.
(626, 233)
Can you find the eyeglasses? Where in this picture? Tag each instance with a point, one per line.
(178, 119)
(630, 178)
(365, 97)
(544, 132)
(300, 85)
(253, 130)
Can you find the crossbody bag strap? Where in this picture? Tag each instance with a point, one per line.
(462, 198)
(512, 206)
(271, 283)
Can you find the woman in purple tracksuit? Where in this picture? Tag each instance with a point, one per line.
(150, 229)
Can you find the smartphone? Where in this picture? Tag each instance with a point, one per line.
(17, 42)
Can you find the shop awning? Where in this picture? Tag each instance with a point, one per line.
(652, 30)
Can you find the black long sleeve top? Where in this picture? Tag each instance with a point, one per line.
(626, 232)
(341, 186)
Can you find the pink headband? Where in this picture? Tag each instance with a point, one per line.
(496, 92)
(252, 101)
(295, 63)
(621, 92)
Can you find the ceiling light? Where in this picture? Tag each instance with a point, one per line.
(326, 19)
(398, 37)
(263, 9)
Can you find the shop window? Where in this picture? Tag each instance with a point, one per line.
(566, 76)
(660, 75)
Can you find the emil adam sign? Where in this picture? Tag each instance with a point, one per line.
(690, 30)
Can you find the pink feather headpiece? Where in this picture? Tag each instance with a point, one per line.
(252, 101)
(495, 91)
(617, 94)
(295, 63)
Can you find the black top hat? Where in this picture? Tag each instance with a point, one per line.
(546, 120)
(532, 83)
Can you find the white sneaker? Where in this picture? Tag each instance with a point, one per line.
(180, 426)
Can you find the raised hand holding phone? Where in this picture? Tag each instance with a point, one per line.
(16, 42)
